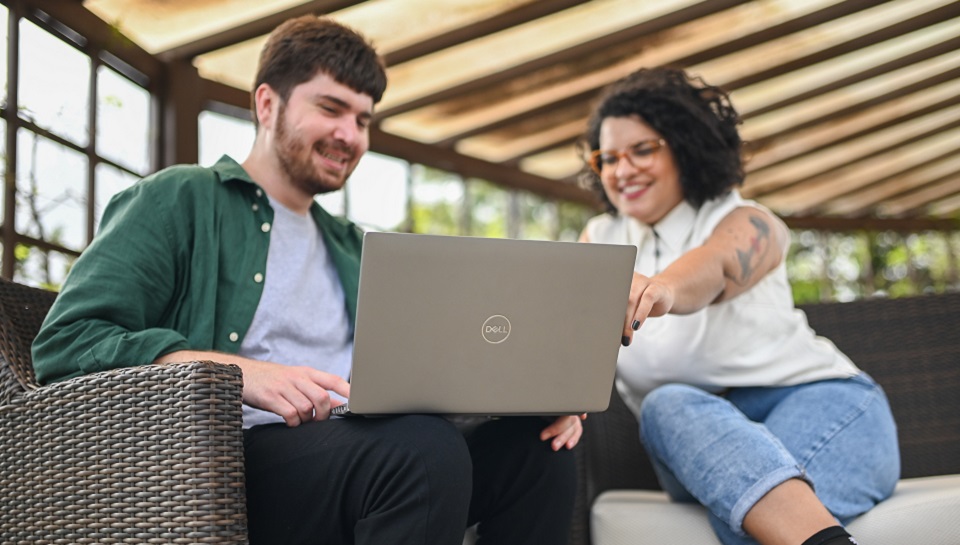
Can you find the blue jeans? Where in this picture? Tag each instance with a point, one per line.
(727, 451)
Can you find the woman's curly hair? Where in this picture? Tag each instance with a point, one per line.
(696, 119)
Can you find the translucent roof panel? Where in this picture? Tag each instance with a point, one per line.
(830, 91)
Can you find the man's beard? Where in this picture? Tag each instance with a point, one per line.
(296, 161)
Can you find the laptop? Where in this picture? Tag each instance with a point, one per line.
(486, 327)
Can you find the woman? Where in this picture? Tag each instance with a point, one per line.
(741, 406)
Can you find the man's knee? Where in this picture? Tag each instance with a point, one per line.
(429, 448)
(523, 487)
(515, 443)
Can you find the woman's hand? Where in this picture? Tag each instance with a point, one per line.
(648, 297)
(565, 431)
(744, 247)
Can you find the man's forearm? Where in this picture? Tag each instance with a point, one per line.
(201, 355)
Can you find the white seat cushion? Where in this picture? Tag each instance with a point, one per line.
(924, 510)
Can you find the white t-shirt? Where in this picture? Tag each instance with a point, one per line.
(755, 339)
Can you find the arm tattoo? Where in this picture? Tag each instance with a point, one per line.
(752, 256)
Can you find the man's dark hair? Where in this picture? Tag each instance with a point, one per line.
(696, 119)
(300, 48)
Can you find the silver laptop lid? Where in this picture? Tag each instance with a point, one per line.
(461, 325)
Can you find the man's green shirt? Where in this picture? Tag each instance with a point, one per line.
(179, 263)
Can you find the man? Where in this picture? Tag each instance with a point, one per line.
(239, 264)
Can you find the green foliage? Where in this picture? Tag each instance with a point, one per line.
(435, 218)
(113, 101)
(805, 291)
(487, 209)
(844, 266)
(21, 252)
(821, 266)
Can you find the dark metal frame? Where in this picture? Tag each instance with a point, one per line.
(114, 54)
(179, 95)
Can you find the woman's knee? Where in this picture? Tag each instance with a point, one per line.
(671, 401)
(678, 412)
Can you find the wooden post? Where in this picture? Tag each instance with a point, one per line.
(10, 168)
(181, 105)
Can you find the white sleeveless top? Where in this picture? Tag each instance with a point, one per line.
(755, 339)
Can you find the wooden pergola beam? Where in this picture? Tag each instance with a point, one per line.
(516, 16)
(550, 138)
(864, 105)
(899, 29)
(866, 223)
(252, 29)
(570, 54)
(577, 89)
(845, 128)
(864, 75)
(857, 43)
(918, 201)
(99, 36)
(893, 187)
(807, 197)
(471, 167)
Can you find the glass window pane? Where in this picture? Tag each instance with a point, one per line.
(377, 192)
(572, 218)
(222, 134)
(110, 181)
(488, 209)
(3, 166)
(54, 84)
(123, 118)
(332, 202)
(438, 202)
(4, 13)
(41, 269)
(51, 191)
(538, 217)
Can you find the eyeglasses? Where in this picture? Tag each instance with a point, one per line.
(641, 155)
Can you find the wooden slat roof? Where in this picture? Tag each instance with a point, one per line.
(850, 107)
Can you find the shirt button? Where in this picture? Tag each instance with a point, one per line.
(258, 278)
(234, 337)
(259, 192)
(255, 207)
(265, 227)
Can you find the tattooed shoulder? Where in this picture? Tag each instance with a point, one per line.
(758, 247)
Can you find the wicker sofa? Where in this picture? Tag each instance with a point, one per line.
(911, 346)
(154, 454)
(150, 454)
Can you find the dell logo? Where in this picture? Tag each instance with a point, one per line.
(496, 329)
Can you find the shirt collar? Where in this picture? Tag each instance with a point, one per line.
(675, 228)
(228, 169)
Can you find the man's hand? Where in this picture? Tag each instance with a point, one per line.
(564, 432)
(298, 394)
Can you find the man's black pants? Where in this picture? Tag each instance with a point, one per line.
(407, 480)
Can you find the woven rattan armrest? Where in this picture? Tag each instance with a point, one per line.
(150, 454)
